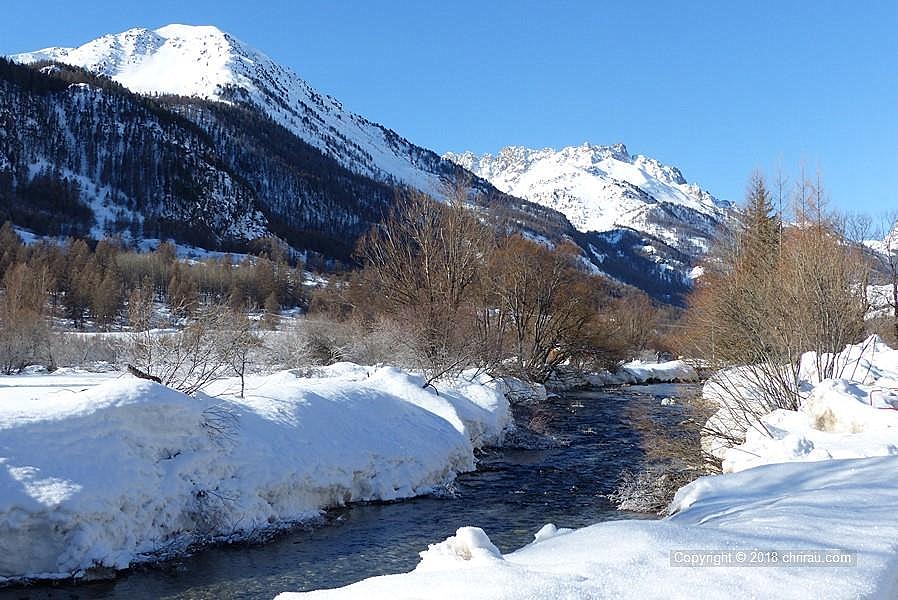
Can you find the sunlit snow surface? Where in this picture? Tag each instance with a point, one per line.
(106, 469)
(803, 486)
(846, 505)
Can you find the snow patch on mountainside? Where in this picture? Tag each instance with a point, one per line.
(205, 62)
(602, 188)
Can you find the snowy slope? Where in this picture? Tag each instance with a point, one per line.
(206, 62)
(602, 188)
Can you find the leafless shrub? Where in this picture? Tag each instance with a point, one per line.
(74, 349)
(771, 294)
(215, 342)
(649, 490)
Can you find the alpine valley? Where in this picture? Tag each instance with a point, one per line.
(185, 132)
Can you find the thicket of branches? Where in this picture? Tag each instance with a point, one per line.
(440, 291)
(445, 292)
(772, 292)
(49, 287)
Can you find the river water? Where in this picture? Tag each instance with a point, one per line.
(586, 440)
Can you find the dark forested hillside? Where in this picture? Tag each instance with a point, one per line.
(126, 164)
(82, 156)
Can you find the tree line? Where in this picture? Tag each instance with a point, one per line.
(102, 287)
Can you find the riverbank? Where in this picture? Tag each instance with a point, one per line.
(636, 372)
(103, 471)
(800, 515)
(587, 441)
(743, 524)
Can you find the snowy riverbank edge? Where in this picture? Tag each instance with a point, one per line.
(820, 485)
(105, 471)
(636, 372)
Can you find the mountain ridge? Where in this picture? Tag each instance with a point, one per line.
(206, 62)
(603, 188)
(211, 79)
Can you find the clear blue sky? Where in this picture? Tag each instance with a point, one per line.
(716, 88)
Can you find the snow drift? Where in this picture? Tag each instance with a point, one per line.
(854, 416)
(126, 469)
(843, 507)
(817, 484)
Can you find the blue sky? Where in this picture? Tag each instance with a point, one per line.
(716, 88)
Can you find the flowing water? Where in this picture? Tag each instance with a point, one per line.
(587, 439)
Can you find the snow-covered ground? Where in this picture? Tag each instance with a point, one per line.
(853, 416)
(791, 510)
(807, 511)
(640, 372)
(105, 469)
(636, 372)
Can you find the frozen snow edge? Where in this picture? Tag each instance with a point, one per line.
(636, 372)
(127, 471)
(836, 508)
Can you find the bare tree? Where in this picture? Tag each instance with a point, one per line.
(549, 307)
(421, 268)
(214, 343)
(773, 295)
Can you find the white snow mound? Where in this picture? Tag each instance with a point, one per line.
(107, 473)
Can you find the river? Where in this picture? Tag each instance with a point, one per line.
(589, 440)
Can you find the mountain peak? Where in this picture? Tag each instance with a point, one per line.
(602, 188)
(205, 62)
(177, 30)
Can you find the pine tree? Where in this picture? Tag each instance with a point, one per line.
(760, 231)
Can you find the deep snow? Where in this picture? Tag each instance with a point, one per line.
(105, 470)
(799, 493)
(845, 505)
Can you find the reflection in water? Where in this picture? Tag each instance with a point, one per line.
(511, 495)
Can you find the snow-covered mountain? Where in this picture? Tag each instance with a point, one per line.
(604, 188)
(205, 62)
(298, 165)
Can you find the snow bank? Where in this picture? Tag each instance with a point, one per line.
(640, 372)
(839, 419)
(796, 506)
(108, 471)
(666, 372)
(853, 416)
(790, 508)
